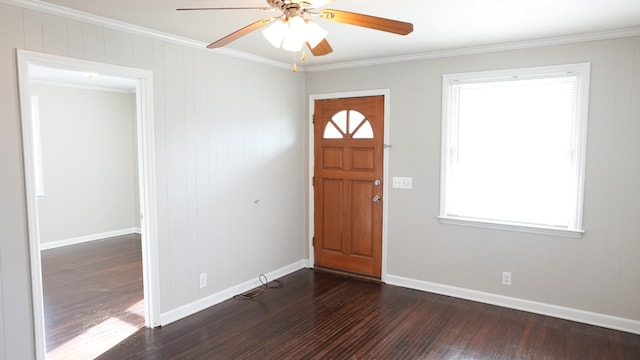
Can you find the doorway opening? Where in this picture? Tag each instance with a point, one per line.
(36, 70)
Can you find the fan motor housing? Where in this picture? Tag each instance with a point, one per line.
(283, 4)
(290, 8)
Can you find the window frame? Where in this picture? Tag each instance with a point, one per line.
(582, 73)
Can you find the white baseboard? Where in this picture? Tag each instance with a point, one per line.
(199, 305)
(87, 238)
(591, 318)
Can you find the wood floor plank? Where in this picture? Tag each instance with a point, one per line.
(322, 316)
(86, 288)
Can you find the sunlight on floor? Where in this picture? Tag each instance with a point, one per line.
(97, 339)
(137, 309)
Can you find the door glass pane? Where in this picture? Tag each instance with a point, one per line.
(330, 132)
(364, 132)
(355, 118)
(340, 119)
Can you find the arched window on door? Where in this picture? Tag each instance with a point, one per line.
(348, 123)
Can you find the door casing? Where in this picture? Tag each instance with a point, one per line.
(310, 215)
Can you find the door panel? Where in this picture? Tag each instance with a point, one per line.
(348, 135)
(332, 196)
(362, 159)
(332, 159)
(361, 213)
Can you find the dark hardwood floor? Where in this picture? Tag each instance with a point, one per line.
(93, 296)
(323, 316)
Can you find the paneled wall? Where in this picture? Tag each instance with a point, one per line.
(599, 272)
(230, 162)
(2, 337)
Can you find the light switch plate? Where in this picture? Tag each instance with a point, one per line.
(402, 183)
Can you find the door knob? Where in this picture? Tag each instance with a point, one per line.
(377, 198)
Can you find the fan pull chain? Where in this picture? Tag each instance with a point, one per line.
(295, 67)
(303, 58)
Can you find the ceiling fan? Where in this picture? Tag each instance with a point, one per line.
(292, 28)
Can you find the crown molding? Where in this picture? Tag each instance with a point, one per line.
(72, 14)
(552, 41)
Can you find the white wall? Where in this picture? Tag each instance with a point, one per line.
(89, 150)
(2, 337)
(228, 132)
(598, 273)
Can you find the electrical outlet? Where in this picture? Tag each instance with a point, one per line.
(506, 278)
(203, 280)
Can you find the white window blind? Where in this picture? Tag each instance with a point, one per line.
(514, 147)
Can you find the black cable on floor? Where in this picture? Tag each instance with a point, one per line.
(266, 285)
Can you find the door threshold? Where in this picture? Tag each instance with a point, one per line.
(348, 274)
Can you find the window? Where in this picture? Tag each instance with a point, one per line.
(513, 149)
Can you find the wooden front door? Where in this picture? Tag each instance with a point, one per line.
(348, 184)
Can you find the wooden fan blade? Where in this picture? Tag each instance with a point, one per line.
(226, 8)
(323, 48)
(368, 21)
(239, 33)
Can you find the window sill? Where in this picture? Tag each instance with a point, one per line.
(540, 230)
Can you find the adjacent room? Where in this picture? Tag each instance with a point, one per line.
(320, 179)
(88, 210)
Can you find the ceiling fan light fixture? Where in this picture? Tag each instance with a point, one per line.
(315, 34)
(296, 35)
(276, 32)
(293, 33)
(292, 42)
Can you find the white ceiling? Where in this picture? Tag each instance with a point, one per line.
(439, 25)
